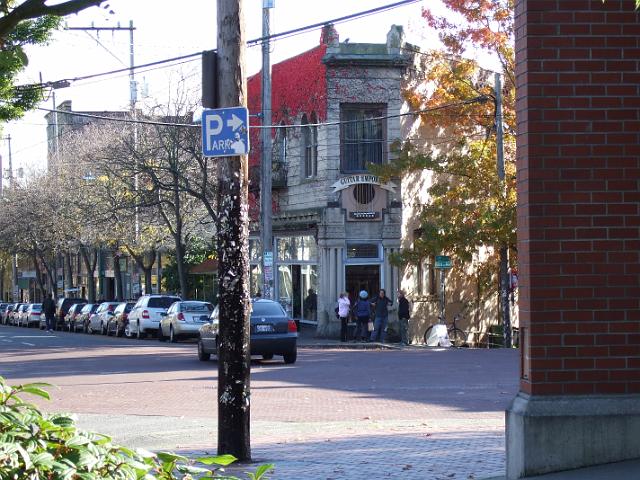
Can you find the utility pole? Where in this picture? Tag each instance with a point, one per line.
(504, 249)
(265, 184)
(234, 360)
(14, 258)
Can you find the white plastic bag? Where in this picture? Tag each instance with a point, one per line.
(439, 336)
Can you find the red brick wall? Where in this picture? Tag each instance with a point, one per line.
(578, 104)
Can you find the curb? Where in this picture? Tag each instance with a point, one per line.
(349, 346)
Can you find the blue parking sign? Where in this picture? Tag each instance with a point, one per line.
(225, 132)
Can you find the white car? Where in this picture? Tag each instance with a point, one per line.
(98, 322)
(32, 315)
(145, 316)
(184, 319)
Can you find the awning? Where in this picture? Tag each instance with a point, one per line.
(208, 267)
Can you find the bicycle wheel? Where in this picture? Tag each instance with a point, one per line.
(457, 337)
(427, 334)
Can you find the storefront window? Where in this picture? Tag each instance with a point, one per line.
(302, 248)
(255, 280)
(255, 250)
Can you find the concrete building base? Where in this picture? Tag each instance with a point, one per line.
(554, 433)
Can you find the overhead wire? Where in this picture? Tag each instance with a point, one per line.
(256, 41)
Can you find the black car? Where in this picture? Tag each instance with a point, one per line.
(272, 333)
(62, 308)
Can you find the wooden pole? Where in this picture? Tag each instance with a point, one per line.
(234, 359)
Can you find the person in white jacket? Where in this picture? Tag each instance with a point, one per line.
(344, 305)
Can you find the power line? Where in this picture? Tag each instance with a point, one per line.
(322, 124)
(255, 41)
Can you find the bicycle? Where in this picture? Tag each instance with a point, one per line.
(457, 337)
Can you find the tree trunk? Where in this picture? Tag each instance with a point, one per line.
(36, 267)
(117, 274)
(90, 266)
(68, 275)
(234, 365)
(148, 272)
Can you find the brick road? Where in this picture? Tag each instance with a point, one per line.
(343, 414)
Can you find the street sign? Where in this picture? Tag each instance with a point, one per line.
(443, 262)
(225, 132)
(268, 266)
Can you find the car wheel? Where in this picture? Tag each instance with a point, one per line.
(202, 355)
(268, 356)
(108, 329)
(161, 336)
(290, 357)
(103, 329)
(119, 331)
(172, 335)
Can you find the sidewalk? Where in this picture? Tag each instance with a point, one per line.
(307, 339)
(628, 470)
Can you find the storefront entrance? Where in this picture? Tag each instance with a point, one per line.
(362, 277)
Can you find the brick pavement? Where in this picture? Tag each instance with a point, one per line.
(343, 414)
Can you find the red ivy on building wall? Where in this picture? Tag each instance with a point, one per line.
(298, 85)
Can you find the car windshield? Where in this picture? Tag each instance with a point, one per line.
(266, 309)
(161, 302)
(196, 307)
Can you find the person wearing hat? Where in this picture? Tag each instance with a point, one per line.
(403, 317)
(362, 311)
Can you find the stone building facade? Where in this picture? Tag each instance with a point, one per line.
(336, 109)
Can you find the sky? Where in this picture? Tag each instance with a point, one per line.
(165, 29)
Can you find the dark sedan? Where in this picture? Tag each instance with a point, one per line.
(272, 333)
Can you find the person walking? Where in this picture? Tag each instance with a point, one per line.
(362, 311)
(49, 310)
(404, 314)
(344, 305)
(381, 306)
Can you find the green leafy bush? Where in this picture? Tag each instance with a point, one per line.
(37, 446)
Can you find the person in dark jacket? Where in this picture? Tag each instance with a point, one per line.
(362, 312)
(404, 315)
(49, 311)
(381, 306)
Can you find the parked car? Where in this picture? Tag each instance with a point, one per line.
(6, 318)
(145, 316)
(62, 308)
(83, 319)
(32, 315)
(19, 314)
(184, 319)
(272, 333)
(12, 319)
(99, 321)
(119, 322)
(72, 314)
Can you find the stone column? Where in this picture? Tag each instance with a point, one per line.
(578, 160)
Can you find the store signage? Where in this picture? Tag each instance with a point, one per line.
(443, 262)
(346, 182)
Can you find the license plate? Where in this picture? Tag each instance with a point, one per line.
(264, 328)
(204, 318)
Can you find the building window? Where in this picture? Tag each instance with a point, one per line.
(310, 146)
(363, 250)
(426, 276)
(362, 136)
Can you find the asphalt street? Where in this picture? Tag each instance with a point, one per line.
(430, 409)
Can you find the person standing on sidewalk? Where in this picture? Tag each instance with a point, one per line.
(381, 306)
(362, 311)
(49, 310)
(404, 314)
(344, 305)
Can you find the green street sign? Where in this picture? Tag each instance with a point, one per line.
(443, 262)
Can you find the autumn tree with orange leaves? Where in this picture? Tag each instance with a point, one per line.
(469, 207)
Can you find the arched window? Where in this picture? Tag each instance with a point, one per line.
(309, 147)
